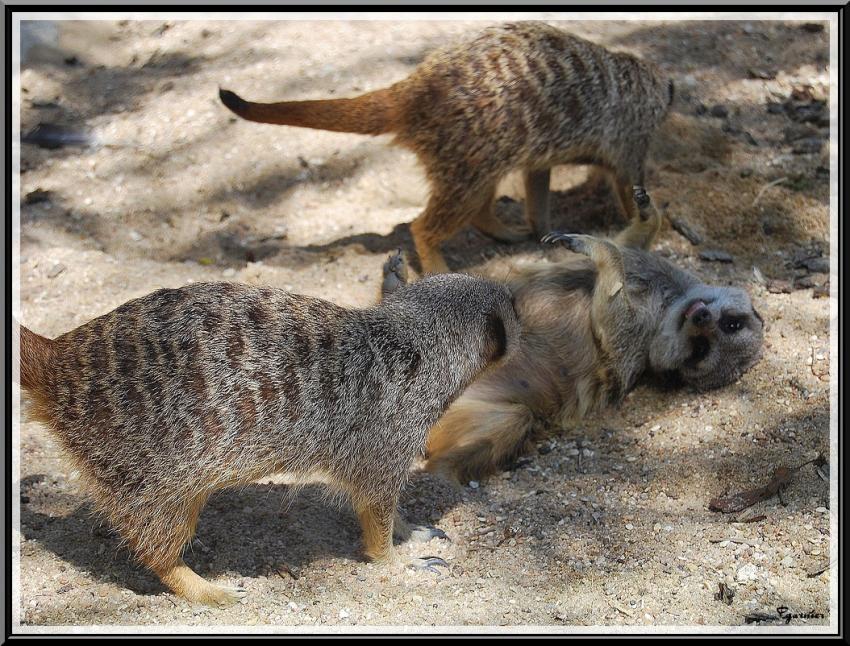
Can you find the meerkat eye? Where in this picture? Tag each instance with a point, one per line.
(731, 324)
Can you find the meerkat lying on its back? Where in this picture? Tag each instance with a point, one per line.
(594, 323)
(186, 391)
(520, 96)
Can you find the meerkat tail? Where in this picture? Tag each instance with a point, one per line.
(479, 437)
(36, 356)
(373, 113)
(36, 353)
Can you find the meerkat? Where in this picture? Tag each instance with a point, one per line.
(593, 323)
(523, 96)
(186, 391)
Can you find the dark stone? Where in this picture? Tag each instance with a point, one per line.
(715, 255)
(821, 291)
(779, 287)
(37, 196)
(765, 75)
(797, 131)
(816, 265)
(803, 282)
(686, 230)
(807, 146)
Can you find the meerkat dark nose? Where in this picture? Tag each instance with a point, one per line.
(702, 317)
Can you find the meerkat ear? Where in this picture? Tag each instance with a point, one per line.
(496, 336)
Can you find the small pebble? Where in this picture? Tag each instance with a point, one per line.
(57, 269)
(747, 572)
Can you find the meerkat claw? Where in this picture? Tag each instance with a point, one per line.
(641, 196)
(428, 563)
(424, 533)
(552, 237)
(573, 242)
(232, 595)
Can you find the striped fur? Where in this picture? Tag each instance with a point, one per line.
(524, 96)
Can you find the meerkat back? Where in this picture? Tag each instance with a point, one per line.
(519, 96)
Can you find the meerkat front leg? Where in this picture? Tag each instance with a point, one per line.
(537, 200)
(643, 229)
(376, 521)
(609, 290)
(604, 254)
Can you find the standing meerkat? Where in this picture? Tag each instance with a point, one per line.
(593, 323)
(186, 391)
(524, 96)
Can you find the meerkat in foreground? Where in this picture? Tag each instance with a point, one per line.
(186, 391)
(594, 323)
(519, 96)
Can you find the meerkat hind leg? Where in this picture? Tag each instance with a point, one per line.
(427, 248)
(620, 187)
(643, 229)
(489, 223)
(185, 582)
(537, 208)
(376, 520)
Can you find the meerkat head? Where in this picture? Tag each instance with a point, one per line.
(477, 313)
(709, 336)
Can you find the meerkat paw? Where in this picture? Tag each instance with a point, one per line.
(214, 595)
(395, 273)
(642, 200)
(577, 242)
(230, 595)
(428, 564)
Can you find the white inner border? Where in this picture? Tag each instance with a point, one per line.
(17, 17)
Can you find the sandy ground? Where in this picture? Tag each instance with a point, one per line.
(608, 524)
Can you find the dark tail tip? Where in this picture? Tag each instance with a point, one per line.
(233, 101)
